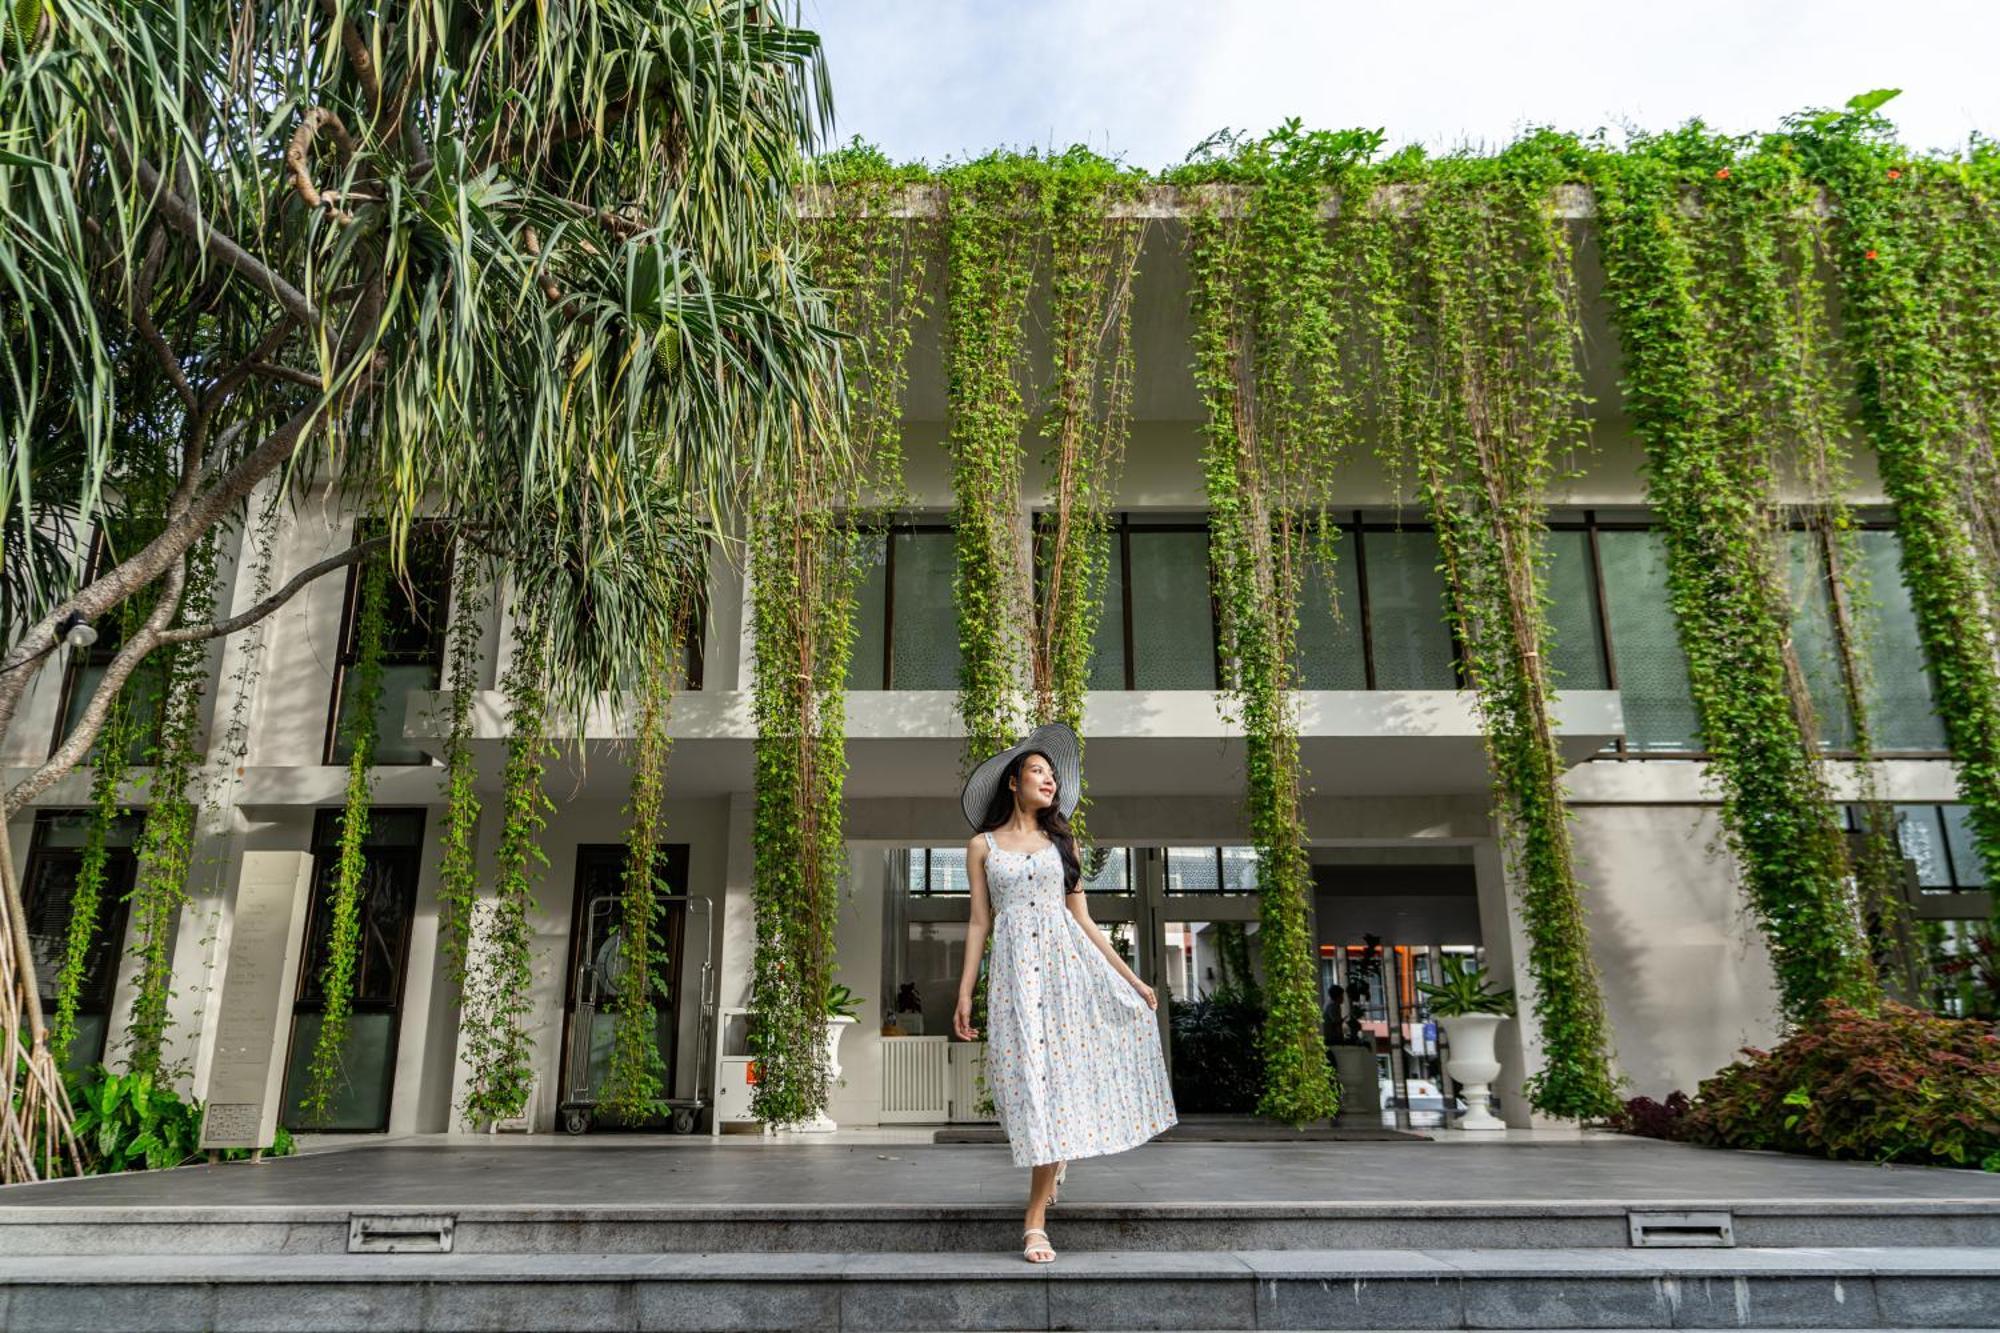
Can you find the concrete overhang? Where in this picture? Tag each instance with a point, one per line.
(1140, 743)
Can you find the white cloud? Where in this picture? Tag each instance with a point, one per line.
(1150, 78)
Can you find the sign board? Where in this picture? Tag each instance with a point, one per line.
(246, 1076)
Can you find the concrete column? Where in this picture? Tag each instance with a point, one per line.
(738, 944)
(1506, 943)
(857, 1098)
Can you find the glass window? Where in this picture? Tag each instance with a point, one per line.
(1901, 714)
(1193, 870)
(1815, 641)
(1173, 623)
(1652, 672)
(1577, 656)
(1968, 867)
(1107, 644)
(85, 668)
(1406, 612)
(1331, 645)
(392, 853)
(413, 639)
(923, 652)
(865, 665)
(55, 861)
(938, 872)
(1114, 871)
(933, 957)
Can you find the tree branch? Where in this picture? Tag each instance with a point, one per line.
(300, 146)
(287, 373)
(84, 734)
(189, 223)
(142, 317)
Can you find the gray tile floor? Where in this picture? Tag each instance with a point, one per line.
(613, 1172)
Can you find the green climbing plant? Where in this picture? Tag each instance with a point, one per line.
(497, 997)
(808, 530)
(458, 862)
(994, 208)
(363, 685)
(1267, 343)
(1697, 249)
(1476, 324)
(1915, 247)
(166, 843)
(632, 1089)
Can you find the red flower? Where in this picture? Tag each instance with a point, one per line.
(1869, 255)
(1722, 173)
(1895, 173)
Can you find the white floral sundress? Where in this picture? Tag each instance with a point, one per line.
(1072, 1050)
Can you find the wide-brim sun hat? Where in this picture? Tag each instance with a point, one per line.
(1057, 741)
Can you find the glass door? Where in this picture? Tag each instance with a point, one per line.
(392, 854)
(597, 965)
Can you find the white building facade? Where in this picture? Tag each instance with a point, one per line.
(1399, 816)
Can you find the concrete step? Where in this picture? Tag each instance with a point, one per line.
(1810, 1287)
(1154, 1228)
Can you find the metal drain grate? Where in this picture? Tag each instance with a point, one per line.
(1682, 1230)
(399, 1234)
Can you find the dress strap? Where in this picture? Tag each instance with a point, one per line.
(990, 844)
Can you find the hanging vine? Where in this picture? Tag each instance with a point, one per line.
(458, 861)
(1915, 256)
(1699, 297)
(1267, 348)
(806, 548)
(109, 766)
(166, 843)
(632, 1090)
(363, 685)
(995, 211)
(1093, 256)
(1477, 328)
(497, 996)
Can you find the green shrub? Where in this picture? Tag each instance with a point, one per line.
(1900, 1086)
(126, 1122)
(1218, 1065)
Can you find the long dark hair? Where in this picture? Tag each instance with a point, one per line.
(1051, 818)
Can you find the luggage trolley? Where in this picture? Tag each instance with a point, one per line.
(598, 966)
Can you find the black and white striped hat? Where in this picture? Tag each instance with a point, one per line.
(1054, 739)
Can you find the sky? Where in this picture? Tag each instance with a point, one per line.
(1146, 80)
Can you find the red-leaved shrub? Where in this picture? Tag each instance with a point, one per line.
(1898, 1086)
(1656, 1120)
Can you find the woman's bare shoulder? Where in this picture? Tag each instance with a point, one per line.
(975, 846)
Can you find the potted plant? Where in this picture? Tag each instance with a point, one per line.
(843, 1009)
(909, 1010)
(1469, 1012)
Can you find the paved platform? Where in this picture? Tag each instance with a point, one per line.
(448, 1172)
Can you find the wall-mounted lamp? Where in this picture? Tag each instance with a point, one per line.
(75, 631)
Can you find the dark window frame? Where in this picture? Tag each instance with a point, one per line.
(1592, 523)
(326, 840)
(114, 909)
(434, 655)
(674, 859)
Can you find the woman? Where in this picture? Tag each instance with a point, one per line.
(1072, 1049)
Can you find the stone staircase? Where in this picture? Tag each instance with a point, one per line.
(1584, 1265)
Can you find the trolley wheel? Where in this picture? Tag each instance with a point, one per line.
(576, 1121)
(684, 1121)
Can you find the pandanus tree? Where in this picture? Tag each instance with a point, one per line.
(523, 275)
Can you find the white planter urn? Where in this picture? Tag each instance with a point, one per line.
(1473, 1065)
(821, 1123)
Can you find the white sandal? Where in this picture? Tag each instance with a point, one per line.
(1030, 1248)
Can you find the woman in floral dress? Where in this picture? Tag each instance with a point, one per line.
(1072, 1044)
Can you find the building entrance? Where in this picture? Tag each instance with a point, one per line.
(1384, 929)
